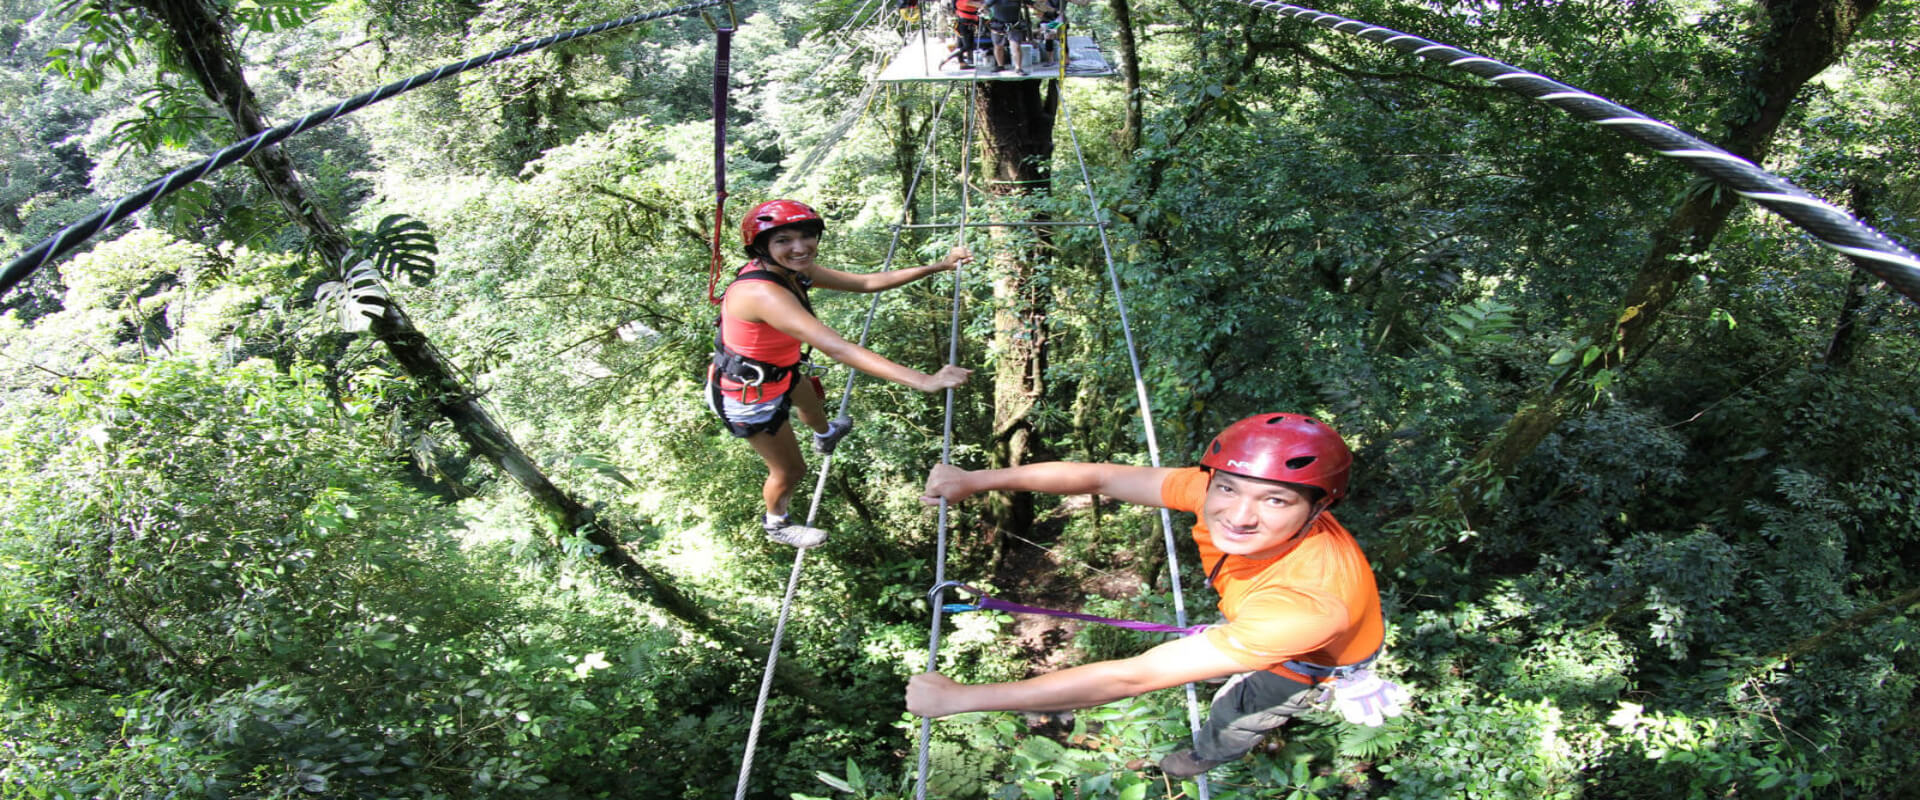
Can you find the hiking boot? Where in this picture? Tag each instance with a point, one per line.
(1185, 764)
(785, 531)
(823, 443)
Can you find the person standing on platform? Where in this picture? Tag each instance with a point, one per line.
(966, 30)
(1007, 20)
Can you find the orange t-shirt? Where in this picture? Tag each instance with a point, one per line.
(1316, 602)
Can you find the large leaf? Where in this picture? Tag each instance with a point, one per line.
(358, 300)
(400, 246)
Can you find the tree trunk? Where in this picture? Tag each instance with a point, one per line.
(1802, 38)
(205, 48)
(1840, 348)
(1018, 135)
(906, 151)
(1129, 75)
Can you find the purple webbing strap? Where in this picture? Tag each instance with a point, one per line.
(722, 65)
(985, 602)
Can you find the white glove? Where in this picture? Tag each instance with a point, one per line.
(1367, 699)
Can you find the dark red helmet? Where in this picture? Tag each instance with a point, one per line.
(1283, 447)
(778, 214)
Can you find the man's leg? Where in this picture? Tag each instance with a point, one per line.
(1244, 711)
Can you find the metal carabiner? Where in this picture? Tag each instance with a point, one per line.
(759, 375)
(933, 595)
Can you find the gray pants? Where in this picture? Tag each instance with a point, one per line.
(1250, 705)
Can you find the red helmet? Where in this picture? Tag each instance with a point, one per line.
(778, 214)
(1283, 447)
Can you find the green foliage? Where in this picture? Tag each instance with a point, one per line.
(170, 116)
(398, 247)
(268, 16)
(1484, 321)
(216, 580)
(357, 300)
(1708, 757)
(1496, 749)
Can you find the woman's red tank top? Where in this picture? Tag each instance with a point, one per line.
(759, 341)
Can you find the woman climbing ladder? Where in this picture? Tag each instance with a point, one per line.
(765, 317)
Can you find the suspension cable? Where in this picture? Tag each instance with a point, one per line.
(79, 232)
(1146, 417)
(1832, 227)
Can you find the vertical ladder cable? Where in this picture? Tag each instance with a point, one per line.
(1146, 417)
(813, 509)
(946, 453)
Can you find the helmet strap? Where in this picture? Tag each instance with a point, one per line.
(1318, 509)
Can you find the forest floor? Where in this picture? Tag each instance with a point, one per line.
(1046, 570)
(1041, 570)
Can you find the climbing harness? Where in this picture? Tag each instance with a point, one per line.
(747, 371)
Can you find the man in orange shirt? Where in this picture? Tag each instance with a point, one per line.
(1297, 593)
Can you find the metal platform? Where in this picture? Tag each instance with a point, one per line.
(929, 60)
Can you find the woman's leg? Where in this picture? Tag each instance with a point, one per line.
(812, 408)
(785, 466)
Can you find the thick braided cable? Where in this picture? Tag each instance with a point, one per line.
(79, 232)
(1146, 420)
(1832, 227)
(946, 457)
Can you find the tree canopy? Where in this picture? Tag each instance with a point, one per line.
(1634, 456)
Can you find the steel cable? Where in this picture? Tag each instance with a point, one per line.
(1832, 227)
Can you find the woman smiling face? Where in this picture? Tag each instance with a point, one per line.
(793, 248)
(1254, 518)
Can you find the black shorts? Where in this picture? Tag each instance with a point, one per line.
(717, 402)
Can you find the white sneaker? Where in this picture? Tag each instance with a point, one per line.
(785, 531)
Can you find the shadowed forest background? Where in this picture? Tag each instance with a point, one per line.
(1636, 459)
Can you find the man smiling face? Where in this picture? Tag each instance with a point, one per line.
(1255, 518)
